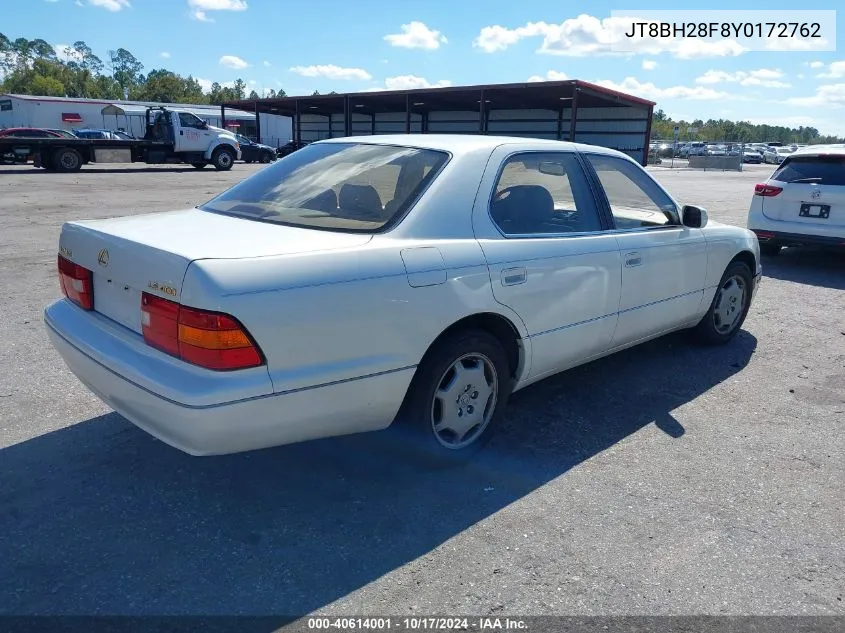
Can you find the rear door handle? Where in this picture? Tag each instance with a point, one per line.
(632, 260)
(513, 276)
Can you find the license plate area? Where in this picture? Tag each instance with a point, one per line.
(814, 211)
(117, 301)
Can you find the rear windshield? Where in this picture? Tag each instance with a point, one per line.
(820, 170)
(355, 187)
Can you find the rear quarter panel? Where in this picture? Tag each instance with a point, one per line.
(323, 318)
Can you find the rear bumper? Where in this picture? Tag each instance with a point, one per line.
(798, 239)
(190, 417)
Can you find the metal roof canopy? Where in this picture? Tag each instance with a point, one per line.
(115, 109)
(546, 95)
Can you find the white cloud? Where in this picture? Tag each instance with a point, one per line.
(412, 82)
(836, 70)
(205, 84)
(232, 61)
(51, 1)
(800, 76)
(416, 35)
(827, 96)
(267, 64)
(111, 5)
(816, 64)
(763, 77)
(199, 7)
(589, 35)
(164, 55)
(649, 64)
(648, 90)
(78, 3)
(252, 82)
(331, 71)
(795, 44)
(552, 75)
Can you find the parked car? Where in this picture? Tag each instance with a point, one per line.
(252, 152)
(123, 135)
(290, 147)
(98, 134)
(23, 155)
(751, 156)
(696, 148)
(802, 202)
(775, 155)
(29, 132)
(404, 281)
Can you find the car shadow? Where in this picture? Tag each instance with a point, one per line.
(100, 518)
(810, 266)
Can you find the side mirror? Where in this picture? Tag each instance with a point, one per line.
(694, 217)
(205, 125)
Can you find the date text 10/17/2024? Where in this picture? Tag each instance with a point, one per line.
(416, 623)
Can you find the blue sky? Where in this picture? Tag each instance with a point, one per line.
(368, 44)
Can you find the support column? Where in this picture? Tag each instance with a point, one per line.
(298, 124)
(257, 122)
(222, 116)
(574, 120)
(648, 137)
(373, 123)
(407, 114)
(482, 115)
(559, 123)
(347, 118)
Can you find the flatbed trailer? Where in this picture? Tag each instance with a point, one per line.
(172, 137)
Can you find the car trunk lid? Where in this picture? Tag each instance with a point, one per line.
(151, 253)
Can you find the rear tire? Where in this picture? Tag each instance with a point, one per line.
(223, 158)
(65, 160)
(770, 249)
(266, 157)
(729, 307)
(456, 399)
(199, 165)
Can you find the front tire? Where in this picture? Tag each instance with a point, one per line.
(457, 397)
(223, 158)
(266, 157)
(729, 307)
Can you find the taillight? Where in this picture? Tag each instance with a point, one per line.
(208, 339)
(77, 283)
(767, 191)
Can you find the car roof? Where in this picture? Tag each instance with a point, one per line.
(818, 150)
(461, 143)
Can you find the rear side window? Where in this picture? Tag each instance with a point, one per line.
(355, 187)
(817, 170)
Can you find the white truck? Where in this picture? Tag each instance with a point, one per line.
(172, 136)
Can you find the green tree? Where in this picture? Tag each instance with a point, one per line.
(125, 68)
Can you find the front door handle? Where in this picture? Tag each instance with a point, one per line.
(632, 260)
(513, 276)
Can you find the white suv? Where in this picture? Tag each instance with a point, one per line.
(803, 202)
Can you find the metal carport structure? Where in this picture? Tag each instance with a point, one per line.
(570, 110)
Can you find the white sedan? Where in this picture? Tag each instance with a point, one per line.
(410, 281)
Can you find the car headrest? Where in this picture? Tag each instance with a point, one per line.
(363, 199)
(325, 201)
(523, 207)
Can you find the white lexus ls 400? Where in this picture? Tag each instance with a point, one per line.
(409, 281)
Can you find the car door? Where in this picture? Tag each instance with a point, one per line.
(550, 257)
(663, 263)
(192, 133)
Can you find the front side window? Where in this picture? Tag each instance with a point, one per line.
(636, 201)
(543, 193)
(356, 187)
(186, 119)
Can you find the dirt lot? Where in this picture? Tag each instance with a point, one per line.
(667, 479)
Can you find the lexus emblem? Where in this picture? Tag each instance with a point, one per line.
(103, 257)
(816, 194)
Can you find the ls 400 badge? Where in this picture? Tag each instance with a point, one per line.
(168, 290)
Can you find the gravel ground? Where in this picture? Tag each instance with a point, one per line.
(667, 479)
